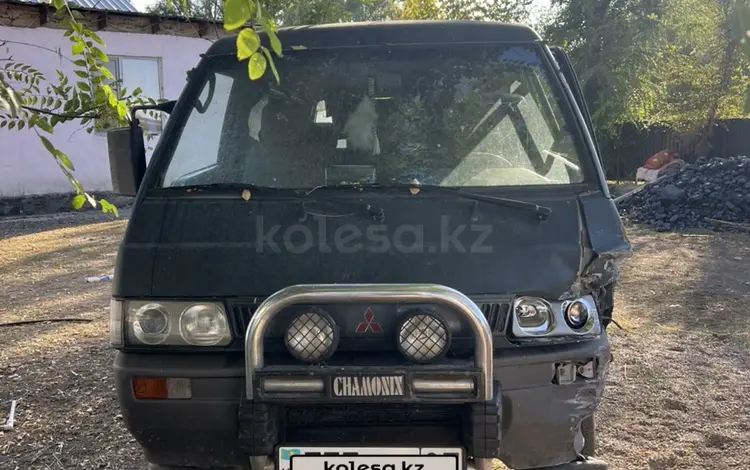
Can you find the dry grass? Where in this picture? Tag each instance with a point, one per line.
(677, 396)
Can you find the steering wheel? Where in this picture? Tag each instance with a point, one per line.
(509, 164)
(487, 161)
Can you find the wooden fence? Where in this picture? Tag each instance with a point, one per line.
(623, 155)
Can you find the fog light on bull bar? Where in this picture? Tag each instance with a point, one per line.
(312, 336)
(423, 337)
(161, 388)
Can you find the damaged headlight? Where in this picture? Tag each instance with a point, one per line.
(534, 318)
(173, 323)
(578, 314)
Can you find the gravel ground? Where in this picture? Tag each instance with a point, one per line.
(677, 396)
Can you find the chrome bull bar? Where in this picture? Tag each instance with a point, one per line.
(354, 293)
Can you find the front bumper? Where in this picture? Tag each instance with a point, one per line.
(540, 419)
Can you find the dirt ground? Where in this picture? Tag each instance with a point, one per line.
(677, 398)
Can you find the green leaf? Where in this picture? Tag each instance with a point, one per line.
(109, 208)
(84, 86)
(12, 124)
(106, 73)
(122, 110)
(64, 160)
(78, 201)
(94, 36)
(43, 124)
(78, 48)
(80, 62)
(137, 91)
(272, 38)
(747, 102)
(257, 66)
(267, 53)
(21, 125)
(99, 54)
(47, 144)
(81, 74)
(248, 43)
(237, 13)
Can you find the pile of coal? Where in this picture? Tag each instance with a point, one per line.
(715, 188)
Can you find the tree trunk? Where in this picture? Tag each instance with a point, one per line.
(702, 145)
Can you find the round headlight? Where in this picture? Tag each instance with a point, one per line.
(311, 337)
(203, 325)
(534, 316)
(151, 324)
(577, 314)
(423, 337)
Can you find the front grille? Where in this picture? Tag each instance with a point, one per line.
(373, 415)
(495, 312)
(241, 315)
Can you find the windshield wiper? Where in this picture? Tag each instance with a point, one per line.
(293, 194)
(542, 212)
(223, 186)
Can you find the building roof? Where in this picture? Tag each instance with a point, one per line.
(391, 33)
(108, 5)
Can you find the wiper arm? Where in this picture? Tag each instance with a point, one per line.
(223, 186)
(292, 194)
(542, 212)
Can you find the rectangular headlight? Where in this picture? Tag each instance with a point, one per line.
(533, 317)
(176, 323)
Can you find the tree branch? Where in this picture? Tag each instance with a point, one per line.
(66, 116)
(58, 52)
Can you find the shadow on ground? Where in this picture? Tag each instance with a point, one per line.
(689, 282)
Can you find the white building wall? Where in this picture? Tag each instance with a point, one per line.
(25, 166)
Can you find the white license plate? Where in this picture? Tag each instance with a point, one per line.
(370, 458)
(375, 462)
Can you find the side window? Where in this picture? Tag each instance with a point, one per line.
(198, 144)
(138, 72)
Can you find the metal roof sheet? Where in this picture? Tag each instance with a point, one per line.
(109, 5)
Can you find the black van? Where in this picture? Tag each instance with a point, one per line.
(400, 257)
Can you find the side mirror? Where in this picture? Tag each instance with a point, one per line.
(127, 158)
(127, 152)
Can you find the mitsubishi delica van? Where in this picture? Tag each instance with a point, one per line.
(401, 256)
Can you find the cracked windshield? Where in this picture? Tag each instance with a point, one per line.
(456, 117)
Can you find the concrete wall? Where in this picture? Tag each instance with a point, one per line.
(25, 166)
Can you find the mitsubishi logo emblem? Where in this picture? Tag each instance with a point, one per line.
(369, 324)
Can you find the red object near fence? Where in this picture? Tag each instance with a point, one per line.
(660, 159)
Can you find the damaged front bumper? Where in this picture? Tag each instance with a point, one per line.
(524, 404)
(539, 417)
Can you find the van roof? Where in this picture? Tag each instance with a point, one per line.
(391, 33)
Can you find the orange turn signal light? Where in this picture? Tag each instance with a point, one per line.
(150, 388)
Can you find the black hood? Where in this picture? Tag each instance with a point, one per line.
(215, 247)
